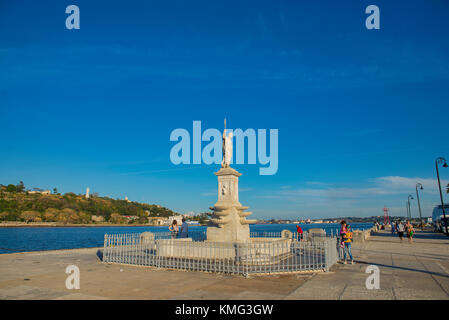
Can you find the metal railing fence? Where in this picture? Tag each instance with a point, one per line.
(266, 254)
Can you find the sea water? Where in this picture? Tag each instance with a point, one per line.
(21, 239)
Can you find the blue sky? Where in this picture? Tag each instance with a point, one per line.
(362, 114)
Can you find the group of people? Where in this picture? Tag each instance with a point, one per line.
(378, 226)
(400, 228)
(175, 231)
(345, 241)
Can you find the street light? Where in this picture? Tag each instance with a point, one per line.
(409, 210)
(419, 205)
(406, 208)
(438, 161)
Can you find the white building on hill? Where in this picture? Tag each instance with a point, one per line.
(177, 218)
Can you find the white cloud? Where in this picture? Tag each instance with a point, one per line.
(364, 199)
(396, 184)
(390, 185)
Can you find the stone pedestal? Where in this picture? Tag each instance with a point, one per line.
(228, 220)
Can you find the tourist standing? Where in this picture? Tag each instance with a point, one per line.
(393, 229)
(184, 233)
(299, 231)
(174, 229)
(342, 236)
(410, 231)
(401, 230)
(347, 242)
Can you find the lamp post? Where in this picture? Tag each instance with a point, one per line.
(419, 205)
(409, 210)
(406, 208)
(438, 161)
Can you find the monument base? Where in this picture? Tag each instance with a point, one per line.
(228, 234)
(257, 251)
(228, 221)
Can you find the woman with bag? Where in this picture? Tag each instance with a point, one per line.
(174, 229)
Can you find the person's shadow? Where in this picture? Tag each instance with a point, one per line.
(100, 254)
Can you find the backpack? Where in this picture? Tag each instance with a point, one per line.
(348, 237)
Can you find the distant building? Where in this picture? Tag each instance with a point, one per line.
(40, 191)
(97, 219)
(131, 218)
(177, 218)
(158, 221)
(87, 193)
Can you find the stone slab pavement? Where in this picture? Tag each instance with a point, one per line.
(407, 271)
(418, 270)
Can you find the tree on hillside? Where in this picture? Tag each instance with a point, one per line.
(11, 188)
(69, 195)
(116, 218)
(63, 215)
(84, 217)
(30, 215)
(55, 190)
(4, 215)
(68, 215)
(51, 214)
(20, 187)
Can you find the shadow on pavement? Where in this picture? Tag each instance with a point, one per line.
(100, 254)
(403, 268)
(418, 235)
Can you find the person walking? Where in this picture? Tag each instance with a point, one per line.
(401, 230)
(184, 233)
(299, 231)
(174, 229)
(348, 244)
(410, 231)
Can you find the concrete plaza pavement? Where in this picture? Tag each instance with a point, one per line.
(407, 271)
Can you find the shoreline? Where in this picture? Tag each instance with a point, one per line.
(54, 225)
(55, 251)
(58, 225)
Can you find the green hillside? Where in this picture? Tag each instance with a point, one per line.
(19, 204)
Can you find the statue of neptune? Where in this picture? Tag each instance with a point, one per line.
(227, 148)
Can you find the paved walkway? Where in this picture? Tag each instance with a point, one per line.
(407, 271)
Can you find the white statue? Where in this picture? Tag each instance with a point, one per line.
(227, 148)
